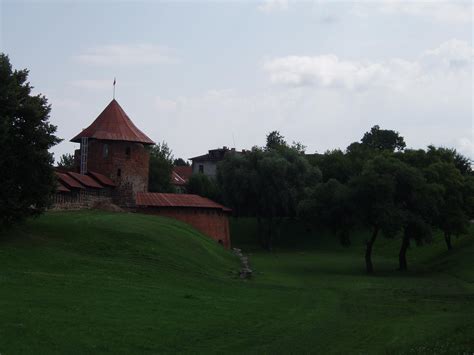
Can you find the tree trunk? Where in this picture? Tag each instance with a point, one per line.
(447, 238)
(402, 256)
(260, 232)
(368, 251)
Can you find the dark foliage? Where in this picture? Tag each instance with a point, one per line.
(161, 166)
(180, 162)
(66, 161)
(204, 186)
(25, 136)
(383, 139)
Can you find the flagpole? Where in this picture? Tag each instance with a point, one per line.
(114, 90)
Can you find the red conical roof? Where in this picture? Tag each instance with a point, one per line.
(113, 124)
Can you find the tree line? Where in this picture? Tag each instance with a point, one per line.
(375, 184)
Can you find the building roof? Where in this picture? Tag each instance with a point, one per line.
(113, 124)
(102, 179)
(215, 155)
(176, 179)
(184, 171)
(85, 180)
(155, 199)
(68, 181)
(61, 188)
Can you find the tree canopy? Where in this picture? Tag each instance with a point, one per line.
(66, 161)
(161, 166)
(26, 134)
(383, 139)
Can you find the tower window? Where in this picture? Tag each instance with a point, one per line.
(127, 152)
(105, 152)
(201, 168)
(119, 172)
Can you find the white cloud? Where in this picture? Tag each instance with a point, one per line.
(328, 71)
(136, 54)
(452, 58)
(451, 55)
(466, 146)
(268, 6)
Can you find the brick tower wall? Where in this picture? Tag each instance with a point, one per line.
(126, 163)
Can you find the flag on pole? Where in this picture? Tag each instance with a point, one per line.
(114, 81)
(114, 89)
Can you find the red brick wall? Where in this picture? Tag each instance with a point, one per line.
(133, 167)
(213, 223)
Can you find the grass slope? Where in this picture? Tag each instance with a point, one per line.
(79, 282)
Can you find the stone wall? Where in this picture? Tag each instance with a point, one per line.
(80, 200)
(211, 222)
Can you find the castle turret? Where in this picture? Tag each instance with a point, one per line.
(112, 145)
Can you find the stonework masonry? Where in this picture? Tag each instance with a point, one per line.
(80, 200)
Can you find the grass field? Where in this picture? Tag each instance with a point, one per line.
(96, 282)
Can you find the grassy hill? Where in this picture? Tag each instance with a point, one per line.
(79, 282)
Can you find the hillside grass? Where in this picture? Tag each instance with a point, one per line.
(97, 282)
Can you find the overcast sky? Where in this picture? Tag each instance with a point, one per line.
(201, 75)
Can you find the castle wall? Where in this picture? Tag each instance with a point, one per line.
(78, 200)
(126, 163)
(213, 223)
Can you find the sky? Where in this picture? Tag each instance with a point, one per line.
(200, 75)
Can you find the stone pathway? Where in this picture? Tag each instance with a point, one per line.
(245, 270)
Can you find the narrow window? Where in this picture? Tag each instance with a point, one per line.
(127, 152)
(201, 168)
(105, 152)
(119, 172)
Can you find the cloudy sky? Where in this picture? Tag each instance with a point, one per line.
(200, 75)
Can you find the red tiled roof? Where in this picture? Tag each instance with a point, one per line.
(61, 188)
(184, 172)
(85, 180)
(155, 199)
(104, 180)
(69, 181)
(113, 124)
(176, 179)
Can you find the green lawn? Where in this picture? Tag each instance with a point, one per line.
(96, 282)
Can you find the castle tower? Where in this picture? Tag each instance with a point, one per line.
(112, 145)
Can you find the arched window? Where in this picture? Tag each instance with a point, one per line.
(128, 152)
(105, 152)
(119, 172)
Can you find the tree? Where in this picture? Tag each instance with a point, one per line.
(449, 155)
(374, 190)
(66, 161)
(180, 162)
(202, 185)
(329, 205)
(161, 166)
(456, 199)
(383, 139)
(28, 179)
(267, 184)
(334, 164)
(275, 140)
